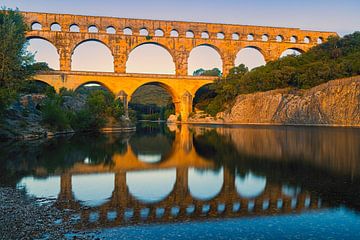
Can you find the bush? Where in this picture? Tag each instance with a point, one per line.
(54, 115)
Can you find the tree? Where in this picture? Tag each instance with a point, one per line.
(14, 59)
(213, 72)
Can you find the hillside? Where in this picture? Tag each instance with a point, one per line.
(336, 58)
(151, 94)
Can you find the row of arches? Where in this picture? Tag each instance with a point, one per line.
(96, 189)
(93, 55)
(36, 26)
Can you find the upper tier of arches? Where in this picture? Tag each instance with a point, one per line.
(156, 28)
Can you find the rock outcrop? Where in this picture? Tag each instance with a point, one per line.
(336, 102)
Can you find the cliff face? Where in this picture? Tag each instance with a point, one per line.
(334, 103)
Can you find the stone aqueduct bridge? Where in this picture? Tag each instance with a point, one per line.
(122, 35)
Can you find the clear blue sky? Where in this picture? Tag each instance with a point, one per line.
(332, 15)
(326, 15)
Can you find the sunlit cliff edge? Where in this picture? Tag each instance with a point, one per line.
(334, 103)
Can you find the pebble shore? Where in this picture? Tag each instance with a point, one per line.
(24, 218)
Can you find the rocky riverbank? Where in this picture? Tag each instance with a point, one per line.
(23, 119)
(335, 103)
(22, 218)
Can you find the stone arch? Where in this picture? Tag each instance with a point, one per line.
(144, 32)
(76, 88)
(55, 64)
(174, 33)
(250, 37)
(170, 53)
(265, 37)
(55, 26)
(205, 35)
(169, 89)
(235, 36)
(293, 39)
(110, 30)
(93, 28)
(279, 38)
(159, 32)
(190, 34)
(36, 26)
(250, 58)
(128, 31)
(213, 47)
(291, 51)
(74, 28)
(220, 35)
(108, 61)
(200, 91)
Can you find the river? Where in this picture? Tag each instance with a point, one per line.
(197, 182)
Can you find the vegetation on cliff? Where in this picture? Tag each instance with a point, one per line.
(336, 58)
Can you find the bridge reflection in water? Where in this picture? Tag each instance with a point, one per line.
(199, 173)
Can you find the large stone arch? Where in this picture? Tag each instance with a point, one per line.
(108, 88)
(176, 97)
(99, 41)
(169, 89)
(290, 51)
(49, 41)
(253, 47)
(78, 43)
(211, 46)
(149, 43)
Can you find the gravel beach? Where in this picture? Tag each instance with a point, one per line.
(23, 218)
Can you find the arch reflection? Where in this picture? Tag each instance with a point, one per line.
(41, 187)
(250, 186)
(93, 189)
(159, 184)
(200, 180)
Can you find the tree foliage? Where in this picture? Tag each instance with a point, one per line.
(212, 72)
(16, 64)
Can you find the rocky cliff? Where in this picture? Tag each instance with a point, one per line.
(334, 103)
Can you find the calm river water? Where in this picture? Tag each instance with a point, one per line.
(198, 182)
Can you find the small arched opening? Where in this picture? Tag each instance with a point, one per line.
(55, 27)
(36, 26)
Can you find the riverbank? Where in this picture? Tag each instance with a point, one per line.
(24, 119)
(23, 218)
(335, 104)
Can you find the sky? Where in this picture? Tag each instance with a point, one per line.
(324, 15)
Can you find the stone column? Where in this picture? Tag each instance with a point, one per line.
(228, 63)
(65, 58)
(181, 61)
(124, 99)
(120, 63)
(186, 102)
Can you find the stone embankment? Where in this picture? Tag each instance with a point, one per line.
(335, 103)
